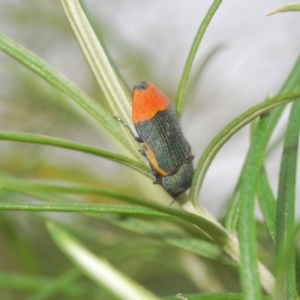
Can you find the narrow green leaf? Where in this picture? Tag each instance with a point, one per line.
(188, 66)
(55, 78)
(109, 80)
(212, 229)
(176, 239)
(62, 203)
(233, 210)
(267, 203)
(247, 232)
(286, 8)
(98, 269)
(112, 85)
(86, 208)
(226, 133)
(265, 195)
(291, 84)
(285, 219)
(52, 141)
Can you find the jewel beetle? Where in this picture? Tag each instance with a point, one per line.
(159, 129)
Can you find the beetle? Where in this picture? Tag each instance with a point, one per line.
(159, 129)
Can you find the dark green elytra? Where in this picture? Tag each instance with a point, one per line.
(158, 127)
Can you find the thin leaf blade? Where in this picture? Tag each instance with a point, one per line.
(286, 8)
(112, 85)
(285, 219)
(55, 78)
(98, 269)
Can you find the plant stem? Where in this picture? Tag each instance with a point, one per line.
(192, 54)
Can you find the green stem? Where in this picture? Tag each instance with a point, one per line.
(215, 231)
(52, 141)
(192, 54)
(82, 207)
